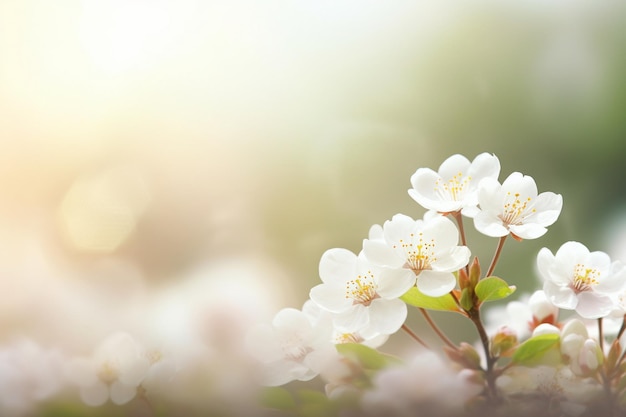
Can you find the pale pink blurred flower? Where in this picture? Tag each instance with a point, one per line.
(29, 374)
(427, 384)
(114, 371)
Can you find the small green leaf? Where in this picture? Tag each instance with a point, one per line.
(311, 396)
(368, 358)
(416, 298)
(493, 288)
(466, 299)
(278, 398)
(534, 348)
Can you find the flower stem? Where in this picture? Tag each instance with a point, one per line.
(437, 330)
(459, 221)
(496, 255)
(414, 336)
(490, 375)
(600, 336)
(621, 329)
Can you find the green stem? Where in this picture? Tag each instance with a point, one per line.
(496, 255)
(437, 330)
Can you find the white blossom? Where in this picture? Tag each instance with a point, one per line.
(427, 384)
(362, 296)
(515, 207)
(453, 187)
(29, 374)
(114, 371)
(426, 250)
(284, 348)
(577, 279)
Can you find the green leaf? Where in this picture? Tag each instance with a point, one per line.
(416, 298)
(278, 398)
(534, 348)
(368, 358)
(466, 299)
(493, 288)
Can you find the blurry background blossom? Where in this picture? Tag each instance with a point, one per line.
(175, 169)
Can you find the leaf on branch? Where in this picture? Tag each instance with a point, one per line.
(466, 299)
(534, 348)
(367, 357)
(493, 288)
(416, 298)
(277, 398)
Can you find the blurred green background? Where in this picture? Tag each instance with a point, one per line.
(167, 135)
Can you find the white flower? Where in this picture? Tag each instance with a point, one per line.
(454, 186)
(582, 352)
(284, 347)
(576, 279)
(559, 387)
(114, 371)
(318, 316)
(523, 316)
(514, 207)
(427, 384)
(362, 297)
(29, 374)
(427, 249)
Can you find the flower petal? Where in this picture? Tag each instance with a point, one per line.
(487, 223)
(337, 264)
(435, 284)
(330, 297)
(592, 305)
(562, 297)
(378, 252)
(387, 316)
(455, 259)
(392, 283)
(528, 230)
(95, 395)
(353, 319)
(122, 393)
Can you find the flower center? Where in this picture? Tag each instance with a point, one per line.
(295, 352)
(454, 188)
(348, 338)
(362, 289)
(107, 373)
(419, 255)
(584, 278)
(515, 209)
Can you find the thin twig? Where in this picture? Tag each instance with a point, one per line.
(414, 336)
(600, 335)
(496, 255)
(459, 221)
(437, 330)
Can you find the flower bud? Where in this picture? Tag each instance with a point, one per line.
(543, 310)
(503, 342)
(465, 355)
(474, 272)
(589, 358)
(464, 281)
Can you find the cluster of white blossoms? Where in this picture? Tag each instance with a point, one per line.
(528, 356)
